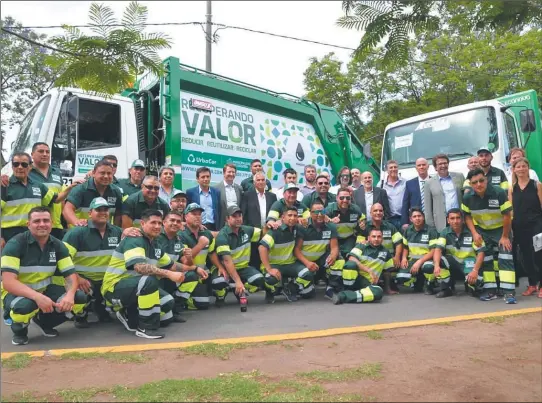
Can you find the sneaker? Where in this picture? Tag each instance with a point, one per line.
(121, 316)
(337, 299)
(447, 292)
(46, 331)
(19, 340)
(531, 290)
(289, 292)
(81, 323)
(149, 333)
(329, 294)
(488, 297)
(510, 299)
(8, 321)
(269, 297)
(177, 318)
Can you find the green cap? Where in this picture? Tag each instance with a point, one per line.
(484, 149)
(138, 163)
(178, 192)
(289, 186)
(98, 202)
(192, 207)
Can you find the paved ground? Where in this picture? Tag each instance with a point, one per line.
(282, 317)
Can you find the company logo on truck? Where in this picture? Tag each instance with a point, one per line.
(202, 105)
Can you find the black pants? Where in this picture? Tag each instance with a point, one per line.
(532, 261)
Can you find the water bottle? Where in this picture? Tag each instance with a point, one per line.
(243, 302)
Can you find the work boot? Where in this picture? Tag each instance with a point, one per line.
(447, 292)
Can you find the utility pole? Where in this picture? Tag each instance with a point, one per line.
(208, 37)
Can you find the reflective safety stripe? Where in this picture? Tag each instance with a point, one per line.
(303, 272)
(254, 277)
(99, 269)
(113, 270)
(218, 280)
(149, 312)
(307, 289)
(105, 252)
(166, 316)
(37, 269)
(40, 285)
(165, 299)
(11, 203)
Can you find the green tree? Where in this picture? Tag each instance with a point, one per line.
(108, 61)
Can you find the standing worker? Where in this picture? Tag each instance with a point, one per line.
(146, 198)
(132, 184)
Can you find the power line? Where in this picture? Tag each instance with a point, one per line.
(43, 45)
(106, 25)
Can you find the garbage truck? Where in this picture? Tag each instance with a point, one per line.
(499, 124)
(189, 118)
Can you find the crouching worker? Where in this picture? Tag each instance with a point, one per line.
(29, 261)
(363, 269)
(278, 260)
(456, 251)
(131, 282)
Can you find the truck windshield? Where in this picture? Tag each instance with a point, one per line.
(458, 135)
(31, 126)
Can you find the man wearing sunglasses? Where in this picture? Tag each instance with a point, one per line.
(146, 198)
(317, 248)
(21, 195)
(488, 215)
(289, 201)
(132, 184)
(347, 216)
(321, 194)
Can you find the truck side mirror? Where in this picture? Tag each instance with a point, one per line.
(527, 122)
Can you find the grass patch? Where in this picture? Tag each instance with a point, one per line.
(17, 361)
(120, 358)
(272, 342)
(374, 335)
(221, 351)
(498, 320)
(23, 397)
(79, 395)
(365, 371)
(445, 324)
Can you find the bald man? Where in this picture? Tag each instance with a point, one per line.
(414, 192)
(356, 178)
(367, 195)
(473, 162)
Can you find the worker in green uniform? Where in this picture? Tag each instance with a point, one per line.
(347, 217)
(178, 202)
(248, 183)
(233, 247)
(278, 260)
(392, 240)
(361, 273)
(289, 200)
(77, 205)
(29, 260)
(146, 198)
(191, 288)
(455, 250)
(317, 248)
(132, 184)
(21, 195)
(321, 193)
(488, 215)
(199, 246)
(91, 247)
(419, 241)
(131, 283)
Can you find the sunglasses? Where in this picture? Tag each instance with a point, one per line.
(317, 212)
(345, 198)
(114, 165)
(323, 183)
(16, 164)
(155, 188)
(478, 181)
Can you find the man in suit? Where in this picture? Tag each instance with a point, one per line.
(207, 197)
(442, 192)
(231, 193)
(414, 192)
(367, 195)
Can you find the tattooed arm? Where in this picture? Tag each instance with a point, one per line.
(67, 301)
(147, 269)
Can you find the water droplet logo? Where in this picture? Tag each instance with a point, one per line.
(299, 153)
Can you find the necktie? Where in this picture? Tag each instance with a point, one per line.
(422, 194)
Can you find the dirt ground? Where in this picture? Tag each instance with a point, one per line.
(476, 360)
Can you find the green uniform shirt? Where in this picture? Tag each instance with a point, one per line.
(391, 237)
(228, 243)
(135, 204)
(278, 207)
(248, 184)
(316, 240)
(33, 266)
(19, 199)
(173, 247)
(487, 212)
(281, 243)
(89, 251)
(458, 247)
(419, 243)
(311, 197)
(376, 259)
(497, 177)
(129, 252)
(127, 187)
(82, 195)
(349, 221)
(190, 240)
(54, 182)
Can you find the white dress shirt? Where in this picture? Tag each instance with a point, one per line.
(231, 196)
(369, 204)
(263, 205)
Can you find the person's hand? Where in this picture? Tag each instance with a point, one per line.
(336, 220)
(75, 182)
(66, 303)
(404, 263)
(202, 273)
(187, 253)
(505, 243)
(224, 273)
(275, 273)
(239, 288)
(330, 261)
(203, 240)
(131, 231)
(415, 268)
(176, 276)
(304, 222)
(84, 285)
(89, 174)
(5, 180)
(363, 225)
(436, 271)
(81, 223)
(45, 304)
(274, 224)
(312, 266)
(472, 277)
(396, 261)
(404, 227)
(374, 278)
(477, 239)
(327, 219)
(2, 243)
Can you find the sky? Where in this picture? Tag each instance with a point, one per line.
(270, 62)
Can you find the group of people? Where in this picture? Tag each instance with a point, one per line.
(142, 251)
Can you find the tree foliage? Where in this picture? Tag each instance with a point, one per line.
(108, 61)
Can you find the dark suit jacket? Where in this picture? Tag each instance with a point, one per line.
(379, 196)
(192, 196)
(411, 198)
(224, 203)
(251, 207)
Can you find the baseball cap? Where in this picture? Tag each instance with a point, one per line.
(192, 207)
(483, 149)
(98, 202)
(178, 192)
(289, 186)
(138, 163)
(232, 210)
